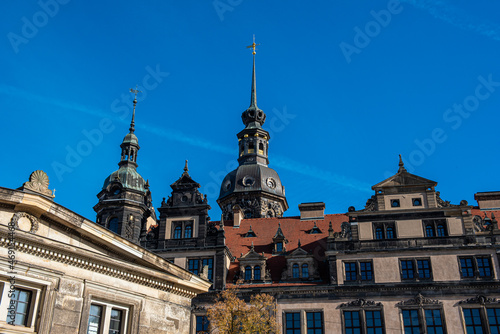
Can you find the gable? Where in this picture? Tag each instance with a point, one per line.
(404, 179)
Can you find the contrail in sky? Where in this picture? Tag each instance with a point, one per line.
(179, 136)
(457, 17)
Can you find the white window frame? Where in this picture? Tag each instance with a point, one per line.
(106, 315)
(34, 305)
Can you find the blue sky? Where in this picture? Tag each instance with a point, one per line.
(346, 86)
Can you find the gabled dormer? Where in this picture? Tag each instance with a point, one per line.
(184, 215)
(279, 241)
(404, 191)
(253, 266)
(300, 266)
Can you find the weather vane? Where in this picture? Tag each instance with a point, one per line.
(135, 91)
(253, 45)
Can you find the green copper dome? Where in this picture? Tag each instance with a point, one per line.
(128, 177)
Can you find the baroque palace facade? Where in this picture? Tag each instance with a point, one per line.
(408, 262)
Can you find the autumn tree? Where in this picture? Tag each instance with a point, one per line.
(231, 315)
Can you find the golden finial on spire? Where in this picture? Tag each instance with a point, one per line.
(253, 45)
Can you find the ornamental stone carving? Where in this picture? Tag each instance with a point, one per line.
(419, 300)
(360, 303)
(481, 300)
(25, 222)
(39, 182)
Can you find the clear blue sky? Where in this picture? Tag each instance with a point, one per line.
(346, 86)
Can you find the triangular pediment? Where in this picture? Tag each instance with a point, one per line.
(252, 255)
(405, 179)
(185, 182)
(299, 252)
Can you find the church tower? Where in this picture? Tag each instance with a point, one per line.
(253, 187)
(125, 204)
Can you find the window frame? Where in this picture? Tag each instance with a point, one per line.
(433, 224)
(35, 304)
(421, 304)
(416, 273)
(359, 275)
(361, 306)
(384, 226)
(475, 267)
(303, 320)
(182, 224)
(107, 308)
(201, 261)
(204, 322)
(483, 304)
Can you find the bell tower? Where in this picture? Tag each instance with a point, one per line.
(125, 204)
(253, 186)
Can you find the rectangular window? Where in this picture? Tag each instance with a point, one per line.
(363, 321)
(366, 271)
(494, 319)
(95, 316)
(183, 229)
(196, 267)
(351, 272)
(358, 271)
(202, 324)
(292, 321)
(407, 270)
(475, 267)
(435, 228)
(374, 322)
(352, 322)
(314, 322)
(473, 320)
(423, 321)
(415, 269)
(433, 321)
(21, 301)
(107, 318)
(482, 320)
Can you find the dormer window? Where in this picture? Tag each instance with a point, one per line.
(395, 203)
(305, 270)
(315, 229)
(248, 273)
(279, 247)
(256, 273)
(295, 271)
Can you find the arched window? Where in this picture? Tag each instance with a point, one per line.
(261, 148)
(256, 273)
(248, 273)
(441, 230)
(178, 232)
(113, 225)
(379, 233)
(389, 233)
(295, 271)
(251, 147)
(429, 231)
(188, 231)
(305, 271)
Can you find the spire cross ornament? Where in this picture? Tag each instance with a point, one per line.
(132, 124)
(253, 46)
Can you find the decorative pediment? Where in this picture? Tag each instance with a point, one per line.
(299, 252)
(480, 300)
(359, 303)
(404, 179)
(419, 300)
(252, 255)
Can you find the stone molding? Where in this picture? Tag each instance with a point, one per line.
(95, 266)
(359, 303)
(419, 300)
(481, 300)
(32, 219)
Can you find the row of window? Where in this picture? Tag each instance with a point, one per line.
(415, 320)
(478, 267)
(432, 228)
(396, 203)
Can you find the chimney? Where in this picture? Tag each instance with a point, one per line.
(237, 215)
(309, 211)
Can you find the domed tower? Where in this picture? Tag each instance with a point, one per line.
(253, 187)
(125, 204)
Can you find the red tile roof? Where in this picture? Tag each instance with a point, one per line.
(293, 229)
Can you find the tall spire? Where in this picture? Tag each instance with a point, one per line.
(186, 169)
(253, 116)
(253, 96)
(132, 123)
